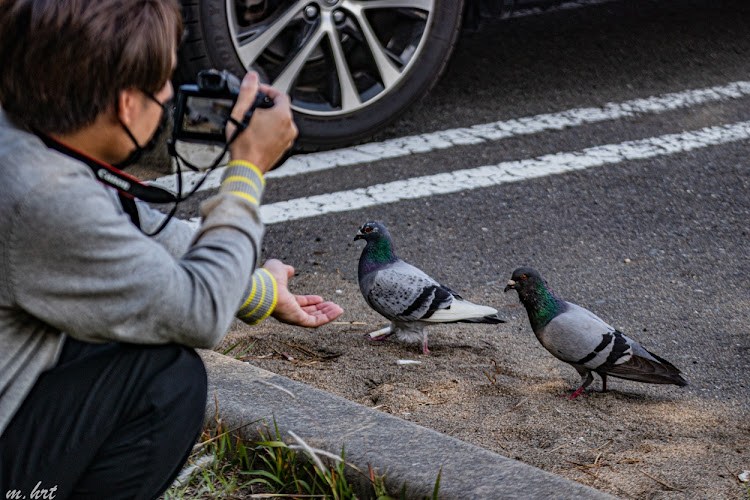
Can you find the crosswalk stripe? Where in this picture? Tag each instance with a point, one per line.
(512, 171)
(423, 143)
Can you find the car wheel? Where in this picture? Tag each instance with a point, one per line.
(349, 66)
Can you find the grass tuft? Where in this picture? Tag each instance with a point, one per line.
(223, 465)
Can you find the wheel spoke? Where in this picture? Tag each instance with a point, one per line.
(349, 95)
(287, 46)
(284, 81)
(250, 51)
(388, 71)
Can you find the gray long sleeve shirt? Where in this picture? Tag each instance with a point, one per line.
(72, 263)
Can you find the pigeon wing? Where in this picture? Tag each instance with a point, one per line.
(404, 293)
(580, 337)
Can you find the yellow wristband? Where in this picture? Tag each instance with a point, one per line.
(266, 303)
(247, 164)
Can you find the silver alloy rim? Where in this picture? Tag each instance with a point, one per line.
(333, 57)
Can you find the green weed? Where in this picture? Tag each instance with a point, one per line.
(223, 465)
(239, 355)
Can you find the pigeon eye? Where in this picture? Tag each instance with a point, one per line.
(368, 229)
(523, 276)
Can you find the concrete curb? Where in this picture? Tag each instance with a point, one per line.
(407, 453)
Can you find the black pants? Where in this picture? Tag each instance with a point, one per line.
(108, 421)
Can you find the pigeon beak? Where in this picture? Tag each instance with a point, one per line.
(359, 235)
(510, 286)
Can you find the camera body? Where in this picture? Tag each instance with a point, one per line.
(202, 109)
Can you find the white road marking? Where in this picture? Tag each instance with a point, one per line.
(493, 175)
(394, 148)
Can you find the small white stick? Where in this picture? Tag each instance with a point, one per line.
(381, 332)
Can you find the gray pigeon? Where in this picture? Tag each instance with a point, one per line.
(580, 338)
(405, 295)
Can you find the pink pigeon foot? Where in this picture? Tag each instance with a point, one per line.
(577, 393)
(377, 339)
(424, 348)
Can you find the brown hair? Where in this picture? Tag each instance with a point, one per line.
(62, 63)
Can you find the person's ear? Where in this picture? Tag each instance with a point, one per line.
(127, 105)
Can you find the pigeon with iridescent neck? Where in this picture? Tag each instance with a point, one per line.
(405, 295)
(583, 340)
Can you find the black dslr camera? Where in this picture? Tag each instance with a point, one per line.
(202, 109)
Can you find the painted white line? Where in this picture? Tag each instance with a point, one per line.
(493, 175)
(394, 148)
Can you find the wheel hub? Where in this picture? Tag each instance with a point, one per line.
(317, 7)
(333, 57)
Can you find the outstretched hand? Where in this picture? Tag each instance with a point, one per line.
(302, 310)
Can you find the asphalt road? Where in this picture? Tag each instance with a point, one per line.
(653, 97)
(656, 246)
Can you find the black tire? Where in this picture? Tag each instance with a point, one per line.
(323, 118)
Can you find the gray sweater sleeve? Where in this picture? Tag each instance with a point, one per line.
(86, 269)
(176, 237)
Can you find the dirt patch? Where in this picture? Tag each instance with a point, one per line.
(496, 387)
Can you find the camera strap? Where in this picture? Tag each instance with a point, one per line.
(127, 186)
(130, 187)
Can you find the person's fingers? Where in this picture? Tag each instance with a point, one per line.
(248, 90)
(321, 306)
(333, 311)
(308, 300)
(328, 309)
(314, 306)
(321, 319)
(246, 97)
(333, 314)
(270, 91)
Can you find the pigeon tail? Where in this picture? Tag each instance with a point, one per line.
(491, 319)
(465, 312)
(651, 371)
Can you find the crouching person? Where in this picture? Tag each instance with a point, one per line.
(101, 392)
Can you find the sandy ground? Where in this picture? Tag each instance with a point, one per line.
(496, 387)
(685, 296)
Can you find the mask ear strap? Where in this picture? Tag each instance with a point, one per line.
(130, 134)
(125, 127)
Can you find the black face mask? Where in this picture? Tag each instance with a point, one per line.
(136, 154)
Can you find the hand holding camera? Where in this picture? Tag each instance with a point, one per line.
(209, 112)
(271, 131)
